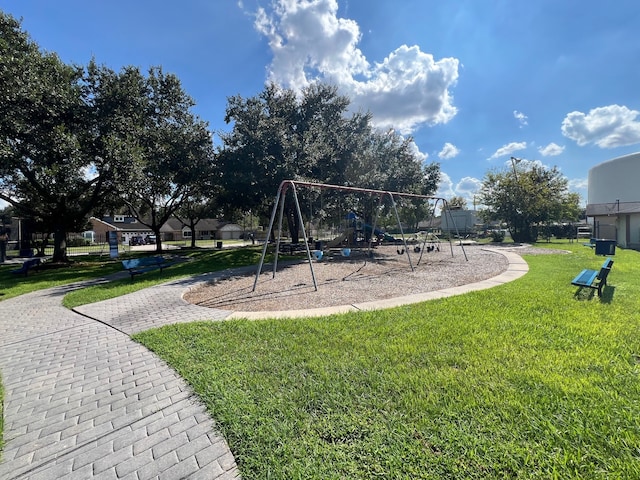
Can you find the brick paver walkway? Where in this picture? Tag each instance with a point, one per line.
(82, 400)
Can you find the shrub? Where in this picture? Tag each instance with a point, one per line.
(497, 236)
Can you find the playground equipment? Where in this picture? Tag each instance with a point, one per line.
(293, 185)
(357, 231)
(343, 237)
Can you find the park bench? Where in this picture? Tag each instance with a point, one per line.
(291, 248)
(137, 266)
(31, 264)
(593, 278)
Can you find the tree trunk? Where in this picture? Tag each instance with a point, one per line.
(293, 223)
(43, 245)
(60, 245)
(158, 241)
(192, 227)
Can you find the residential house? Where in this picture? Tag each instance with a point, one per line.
(172, 230)
(126, 227)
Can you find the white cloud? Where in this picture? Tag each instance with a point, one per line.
(521, 117)
(422, 157)
(551, 150)
(448, 151)
(508, 149)
(445, 186)
(608, 127)
(579, 186)
(309, 43)
(526, 164)
(467, 186)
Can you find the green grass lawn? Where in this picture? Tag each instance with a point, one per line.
(524, 380)
(94, 266)
(519, 381)
(80, 268)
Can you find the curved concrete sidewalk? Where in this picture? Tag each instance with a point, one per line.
(82, 400)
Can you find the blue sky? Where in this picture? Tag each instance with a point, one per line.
(474, 82)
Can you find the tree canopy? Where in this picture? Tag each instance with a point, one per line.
(171, 150)
(50, 169)
(278, 136)
(75, 141)
(527, 199)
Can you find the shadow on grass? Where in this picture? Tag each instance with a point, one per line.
(587, 294)
(607, 294)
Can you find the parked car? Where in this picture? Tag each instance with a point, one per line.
(137, 240)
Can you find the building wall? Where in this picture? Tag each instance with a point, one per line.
(616, 179)
(463, 220)
(229, 232)
(614, 200)
(101, 228)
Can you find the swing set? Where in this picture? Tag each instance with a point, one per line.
(293, 186)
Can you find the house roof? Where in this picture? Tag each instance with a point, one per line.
(171, 225)
(230, 227)
(210, 224)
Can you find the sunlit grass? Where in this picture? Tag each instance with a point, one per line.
(523, 380)
(85, 268)
(192, 262)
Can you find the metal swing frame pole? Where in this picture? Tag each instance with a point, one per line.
(304, 235)
(404, 240)
(445, 208)
(279, 196)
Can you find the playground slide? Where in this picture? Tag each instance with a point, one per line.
(336, 242)
(378, 232)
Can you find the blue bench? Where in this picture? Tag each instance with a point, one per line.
(593, 278)
(31, 264)
(138, 266)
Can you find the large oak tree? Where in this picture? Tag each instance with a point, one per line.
(51, 168)
(279, 135)
(76, 141)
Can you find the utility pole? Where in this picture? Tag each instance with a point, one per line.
(515, 161)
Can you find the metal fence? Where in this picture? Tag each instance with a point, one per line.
(77, 244)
